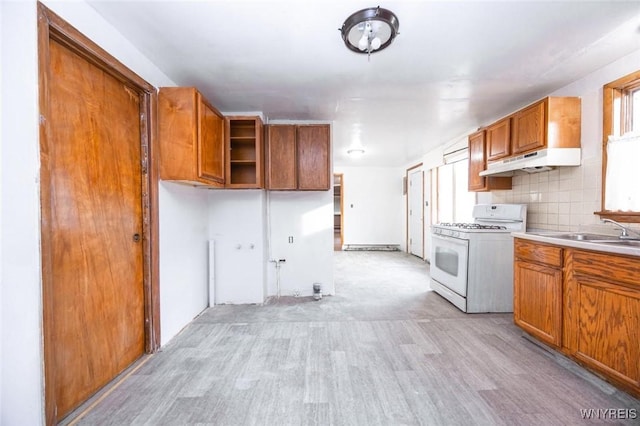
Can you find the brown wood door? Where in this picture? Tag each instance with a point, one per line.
(538, 301)
(92, 185)
(210, 142)
(499, 139)
(281, 157)
(476, 161)
(313, 146)
(529, 128)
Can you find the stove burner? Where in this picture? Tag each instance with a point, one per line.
(472, 226)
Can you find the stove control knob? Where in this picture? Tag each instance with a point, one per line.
(455, 234)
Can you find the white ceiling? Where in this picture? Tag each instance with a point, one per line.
(454, 66)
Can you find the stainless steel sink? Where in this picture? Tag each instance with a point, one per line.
(628, 243)
(580, 236)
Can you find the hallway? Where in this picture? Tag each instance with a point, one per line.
(384, 350)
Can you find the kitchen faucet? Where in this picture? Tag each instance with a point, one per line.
(625, 230)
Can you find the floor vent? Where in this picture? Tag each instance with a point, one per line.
(371, 247)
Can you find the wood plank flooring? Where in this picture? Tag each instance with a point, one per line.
(383, 351)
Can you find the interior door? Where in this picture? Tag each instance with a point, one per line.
(415, 194)
(92, 203)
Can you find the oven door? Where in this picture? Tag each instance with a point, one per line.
(449, 262)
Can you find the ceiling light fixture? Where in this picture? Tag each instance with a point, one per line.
(370, 30)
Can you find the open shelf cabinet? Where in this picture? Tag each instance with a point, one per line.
(245, 152)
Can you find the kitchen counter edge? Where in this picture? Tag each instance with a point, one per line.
(548, 237)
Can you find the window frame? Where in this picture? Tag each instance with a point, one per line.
(616, 121)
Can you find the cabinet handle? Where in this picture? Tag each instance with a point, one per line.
(136, 237)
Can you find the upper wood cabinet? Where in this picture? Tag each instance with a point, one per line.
(553, 122)
(245, 153)
(477, 164)
(191, 135)
(298, 157)
(499, 139)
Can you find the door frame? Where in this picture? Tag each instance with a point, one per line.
(51, 27)
(341, 176)
(407, 204)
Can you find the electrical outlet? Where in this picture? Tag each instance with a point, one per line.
(291, 240)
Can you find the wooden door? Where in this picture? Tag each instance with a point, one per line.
(99, 316)
(499, 139)
(211, 144)
(529, 128)
(281, 157)
(476, 161)
(538, 301)
(415, 201)
(313, 147)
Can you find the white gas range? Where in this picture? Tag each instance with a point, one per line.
(472, 263)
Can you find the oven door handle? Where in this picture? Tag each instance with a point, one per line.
(453, 240)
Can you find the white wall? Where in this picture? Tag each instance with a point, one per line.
(566, 198)
(237, 223)
(21, 355)
(184, 257)
(307, 217)
(373, 205)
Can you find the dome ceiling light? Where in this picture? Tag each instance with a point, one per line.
(370, 30)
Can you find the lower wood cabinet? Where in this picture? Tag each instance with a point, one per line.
(537, 291)
(585, 304)
(603, 314)
(298, 157)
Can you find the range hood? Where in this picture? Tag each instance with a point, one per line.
(534, 162)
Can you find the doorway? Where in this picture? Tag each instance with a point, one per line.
(415, 211)
(338, 211)
(98, 191)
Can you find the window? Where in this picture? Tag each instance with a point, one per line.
(455, 202)
(621, 149)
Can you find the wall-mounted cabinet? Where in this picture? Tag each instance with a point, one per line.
(245, 154)
(553, 122)
(499, 139)
(191, 135)
(477, 164)
(298, 157)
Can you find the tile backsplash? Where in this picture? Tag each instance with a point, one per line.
(562, 199)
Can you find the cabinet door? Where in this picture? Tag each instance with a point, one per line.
(609, 328)
(499, 139)
(281, 157)
(210, 142)
(476, 161)
(313, 147)
(537, 304)
(529, 128)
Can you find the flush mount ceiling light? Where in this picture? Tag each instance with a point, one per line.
(370, 30)
(355, 152)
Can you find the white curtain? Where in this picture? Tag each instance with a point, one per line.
(623, 173)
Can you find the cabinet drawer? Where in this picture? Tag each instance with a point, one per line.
(538, 252)
(609, 267)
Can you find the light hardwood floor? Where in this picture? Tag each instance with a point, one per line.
(383, 351)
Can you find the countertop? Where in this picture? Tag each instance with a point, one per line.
(548, 237)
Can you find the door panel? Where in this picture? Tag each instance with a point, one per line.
(281, 157)
(94, 192)
(416, 228)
